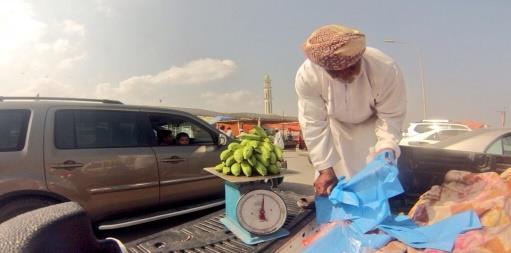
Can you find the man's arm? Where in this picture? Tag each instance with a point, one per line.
(390, 107)
(312, 115)
(315, 126)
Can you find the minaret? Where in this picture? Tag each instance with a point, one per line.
(267, 94)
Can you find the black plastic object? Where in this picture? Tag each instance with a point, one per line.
(59, 228)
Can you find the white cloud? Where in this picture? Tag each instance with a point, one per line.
(35, 48)
(195, 72)
(18, 28)
(73, 28)
(46, 87)
(236, 101)
(69, 62)
(137, 88)
(103, 8)
(59, 46)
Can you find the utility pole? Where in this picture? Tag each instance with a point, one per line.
(421, 69)
(502, 117)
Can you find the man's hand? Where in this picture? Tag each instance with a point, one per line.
(390, 157)
(325, 182)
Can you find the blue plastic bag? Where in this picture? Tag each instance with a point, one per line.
(342, 238)
(364, 198)
(440, 235)
(363, 201)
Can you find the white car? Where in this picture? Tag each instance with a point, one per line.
(432, 136)
(424, 126)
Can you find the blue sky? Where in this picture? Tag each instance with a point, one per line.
(213, 54)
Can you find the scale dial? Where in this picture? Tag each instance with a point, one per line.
(261, 212)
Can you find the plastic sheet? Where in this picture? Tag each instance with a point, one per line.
(361, 218)
(364, 198)
(336, 237)
(440, 235)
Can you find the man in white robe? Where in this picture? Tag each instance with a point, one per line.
(278, 139)
(351, 103)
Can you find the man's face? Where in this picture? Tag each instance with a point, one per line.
(348, 74)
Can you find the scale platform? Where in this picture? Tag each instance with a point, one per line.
(243, 179)
(235, 189)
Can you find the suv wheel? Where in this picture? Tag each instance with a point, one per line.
(22, 205)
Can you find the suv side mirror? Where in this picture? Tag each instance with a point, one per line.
(222, 139)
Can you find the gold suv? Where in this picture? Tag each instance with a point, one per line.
(115, 160)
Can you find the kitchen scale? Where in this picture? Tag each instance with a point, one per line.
(253, 212)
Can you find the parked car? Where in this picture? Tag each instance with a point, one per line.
(432, 136)
(487, 140)
(424, 126)
(105, 156)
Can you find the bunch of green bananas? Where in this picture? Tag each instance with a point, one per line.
(251, 152)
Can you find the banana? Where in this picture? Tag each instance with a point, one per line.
(229, 161)
(233, 146)
(273, 169)
(264, 148)
(238, 155)
(250, 137)
(247, 152)
(219, 167)
(262, 160)
(244, 142)
(226, 170)
(273, 158)
(252, 161)
(225, 154)
(246, 168)
(266, 153)
(267, 145)
(253, 144)
(260, 131)
(236, 169)
(261, 169)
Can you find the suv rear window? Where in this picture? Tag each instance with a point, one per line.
(13, 129)
(75, 129)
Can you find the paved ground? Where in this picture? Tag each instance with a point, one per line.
(299, 179)
(301, 173)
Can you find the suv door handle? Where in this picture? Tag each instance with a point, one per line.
(68, 165)
(173, 159)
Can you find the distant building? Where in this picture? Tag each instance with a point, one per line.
(244, 121)
(267, 95)
(473, 124)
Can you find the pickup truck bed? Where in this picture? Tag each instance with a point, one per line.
(420, 168)
(207, 234)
